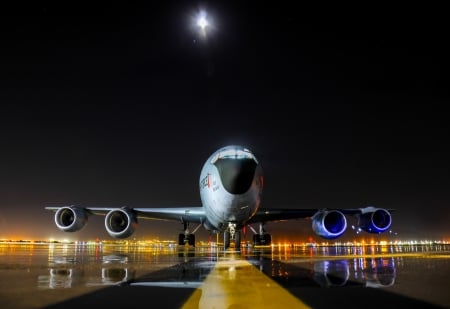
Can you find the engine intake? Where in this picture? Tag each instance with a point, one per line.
(329, 224)
(71, 219)
(120, 223)
(374, 220)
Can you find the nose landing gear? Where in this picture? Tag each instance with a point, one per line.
(232, 235)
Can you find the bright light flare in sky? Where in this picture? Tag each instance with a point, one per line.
(202, 23)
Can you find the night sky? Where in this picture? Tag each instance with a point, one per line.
(121, 105)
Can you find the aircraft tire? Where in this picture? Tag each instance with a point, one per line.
(237, 240)
(226, 240)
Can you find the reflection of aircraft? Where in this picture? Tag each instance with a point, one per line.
(189, 274)
(58, 278)
(381, 273)
(231, 184)
(332, 273)
(114, 270)
(115, 275)
(61, 273)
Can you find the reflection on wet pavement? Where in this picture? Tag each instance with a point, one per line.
(265, 277)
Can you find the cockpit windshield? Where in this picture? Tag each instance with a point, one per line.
(234, 153)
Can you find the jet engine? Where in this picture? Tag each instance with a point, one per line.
(329, 224)
(71, 219)
(120, 223)
(374, 220)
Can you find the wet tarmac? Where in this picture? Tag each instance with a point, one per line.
(131, 276)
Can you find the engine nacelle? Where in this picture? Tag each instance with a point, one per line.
(71, 219)
(120, 223)
(329, 224)
(374, 220)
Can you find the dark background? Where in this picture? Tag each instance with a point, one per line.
(120, 104)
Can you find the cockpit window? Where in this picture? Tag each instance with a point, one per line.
(234, 153)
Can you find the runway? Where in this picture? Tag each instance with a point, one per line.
(132, 276)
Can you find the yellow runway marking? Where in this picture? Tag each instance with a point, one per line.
(235, 283)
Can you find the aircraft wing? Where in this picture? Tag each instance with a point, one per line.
(275, 214)
(182, 214)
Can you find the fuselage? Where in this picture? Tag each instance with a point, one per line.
(231, 184)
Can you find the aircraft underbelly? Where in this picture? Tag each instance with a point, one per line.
(230, 208)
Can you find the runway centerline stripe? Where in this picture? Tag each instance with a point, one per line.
(236, 283)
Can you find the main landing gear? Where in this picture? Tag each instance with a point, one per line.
(230, 236)
(187, 238)
(261, 238)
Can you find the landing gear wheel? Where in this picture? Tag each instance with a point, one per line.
(191, 240)
(237, 240)
(186, 239)
(267, 239)
(226, 240)
(262, 240)
(181, 239)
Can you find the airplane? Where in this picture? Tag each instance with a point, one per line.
(231, 184)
